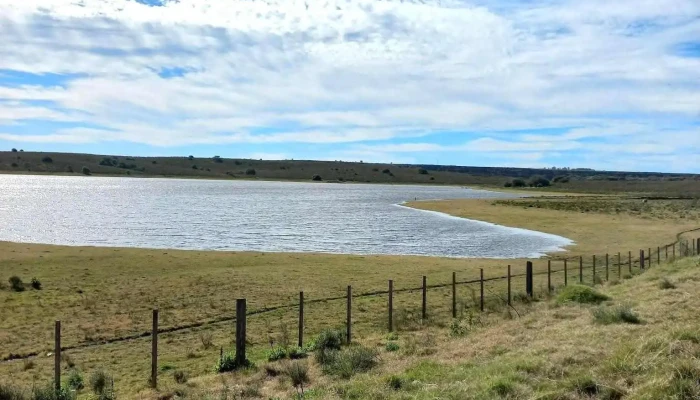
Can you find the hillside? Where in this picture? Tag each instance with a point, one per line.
(687, 185)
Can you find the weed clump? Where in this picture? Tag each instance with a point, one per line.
(48, 392)
(10, 393)
(16, 284)
(227, 362)
(75, 380)
(276, 353)
(36, 284)
(395, 382)
(180, 376)
(392, 347)
(665, 283)
(580, 294)
(350, 361)
(298, 373)
(615, 315)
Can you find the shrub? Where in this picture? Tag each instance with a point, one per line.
(615, 315)
(561, 179)
(14, 150)
(539, 181)
(350, 361)
(518, 182)
(86, 171)
(316, 178)
(154, 162)
(395, 382)
(296, 353)
(330, 339)
(666, 284)
(75, 380)
(10, 392)
(108, 162)
(227, 363)
(206, 339)
(48, 392)
(386, 171)
(47, 160)
(502, 388)
(218, 159)
(180, 376)
(16, 283)
(580, 294)
(375, 169)
(508, 184)
(392, 336)
(14, 165)
(36, 284)
(28, 364)
(101, 384)
(276, 353)
(392, 346)
(69, 169)
(190, 158)
(422, 171)
(195, 167)
(298, 373)
(250, 171)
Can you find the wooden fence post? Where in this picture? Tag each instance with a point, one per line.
(658, 256)
(619, 265)
(607, 267)
(454, 295)
(424, 313)
(509, 292)
(629, 261)
(697, 246)
(549, 276)
(391, 305)
(154, 350)
(528, 278)
(641, 260)
(674, 251)
(301, 320)
(481, 281)
(57, 356)
(580, 269)
(349, 314)
(566, 274)
(649, 255)
(593, 269)
(240, 331)
(666, 256)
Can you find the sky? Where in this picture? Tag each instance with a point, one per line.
(604, 84)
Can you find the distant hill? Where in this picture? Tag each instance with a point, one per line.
(585, 180)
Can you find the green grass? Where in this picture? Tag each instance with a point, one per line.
(615, 315)
(580, 294)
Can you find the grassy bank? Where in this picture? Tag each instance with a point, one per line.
(588, 181)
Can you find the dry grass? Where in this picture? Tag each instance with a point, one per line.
(595, 230)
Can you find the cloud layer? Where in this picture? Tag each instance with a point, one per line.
(605, 84)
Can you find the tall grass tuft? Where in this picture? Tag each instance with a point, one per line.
(580, 294)
(615, 315)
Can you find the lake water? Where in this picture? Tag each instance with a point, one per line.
(251, 215)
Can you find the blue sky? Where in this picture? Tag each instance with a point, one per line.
(601, 84)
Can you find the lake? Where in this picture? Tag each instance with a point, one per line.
(252, 215)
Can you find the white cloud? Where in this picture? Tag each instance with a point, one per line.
(356, 71)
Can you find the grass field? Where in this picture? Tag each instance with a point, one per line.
(101, 293)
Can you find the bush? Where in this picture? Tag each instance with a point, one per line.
(86, 171)
(392, 346)
(36, 285)
(580, 294)
(296, 353)
(298, 373)
(250, 171)
(218, 159)
(276, 353)
(195, 167)
(14, 150)
(16, 283)
(100, 383)
(392, 336)
(69, 169)
(518, 182)
(47, 160)
(539, 181)
(227, 363)
(615, 315)
(666, 284)
(395, 382)
(180, 376)
(75, 380)
(316, 178)
(375, 169)
(508, 184)
(48, 392)
(561, 179)
(10, 392)
(14, 165)
(422, 171)
(351, 361)
(386, 171)
(190, 158)
(330, 339)
(108, 162)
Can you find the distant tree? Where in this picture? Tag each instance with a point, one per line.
(86, 171)
(218, 159)
(517, 182)
(21, 150)
(539, 181)
(47, 160)
(250, 171)
(14, 150)
(190, 158)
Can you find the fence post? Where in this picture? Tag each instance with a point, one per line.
(391, 305)
(240, 331)
(629, 261)
(528, 278)
(349, 319)
(57, 356)
(580, 269)
(674, 251)
(658, 256)
(509, 294)
(594, 270)
(454, 295)
(641, 260)
(301, 319)
(666, 256)
(549, 276)
(566, 274)
(697, 246)
(154, 350)
(619, 265)
(607, 267)
(649, 255)
(425, 299)
(481, 281)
